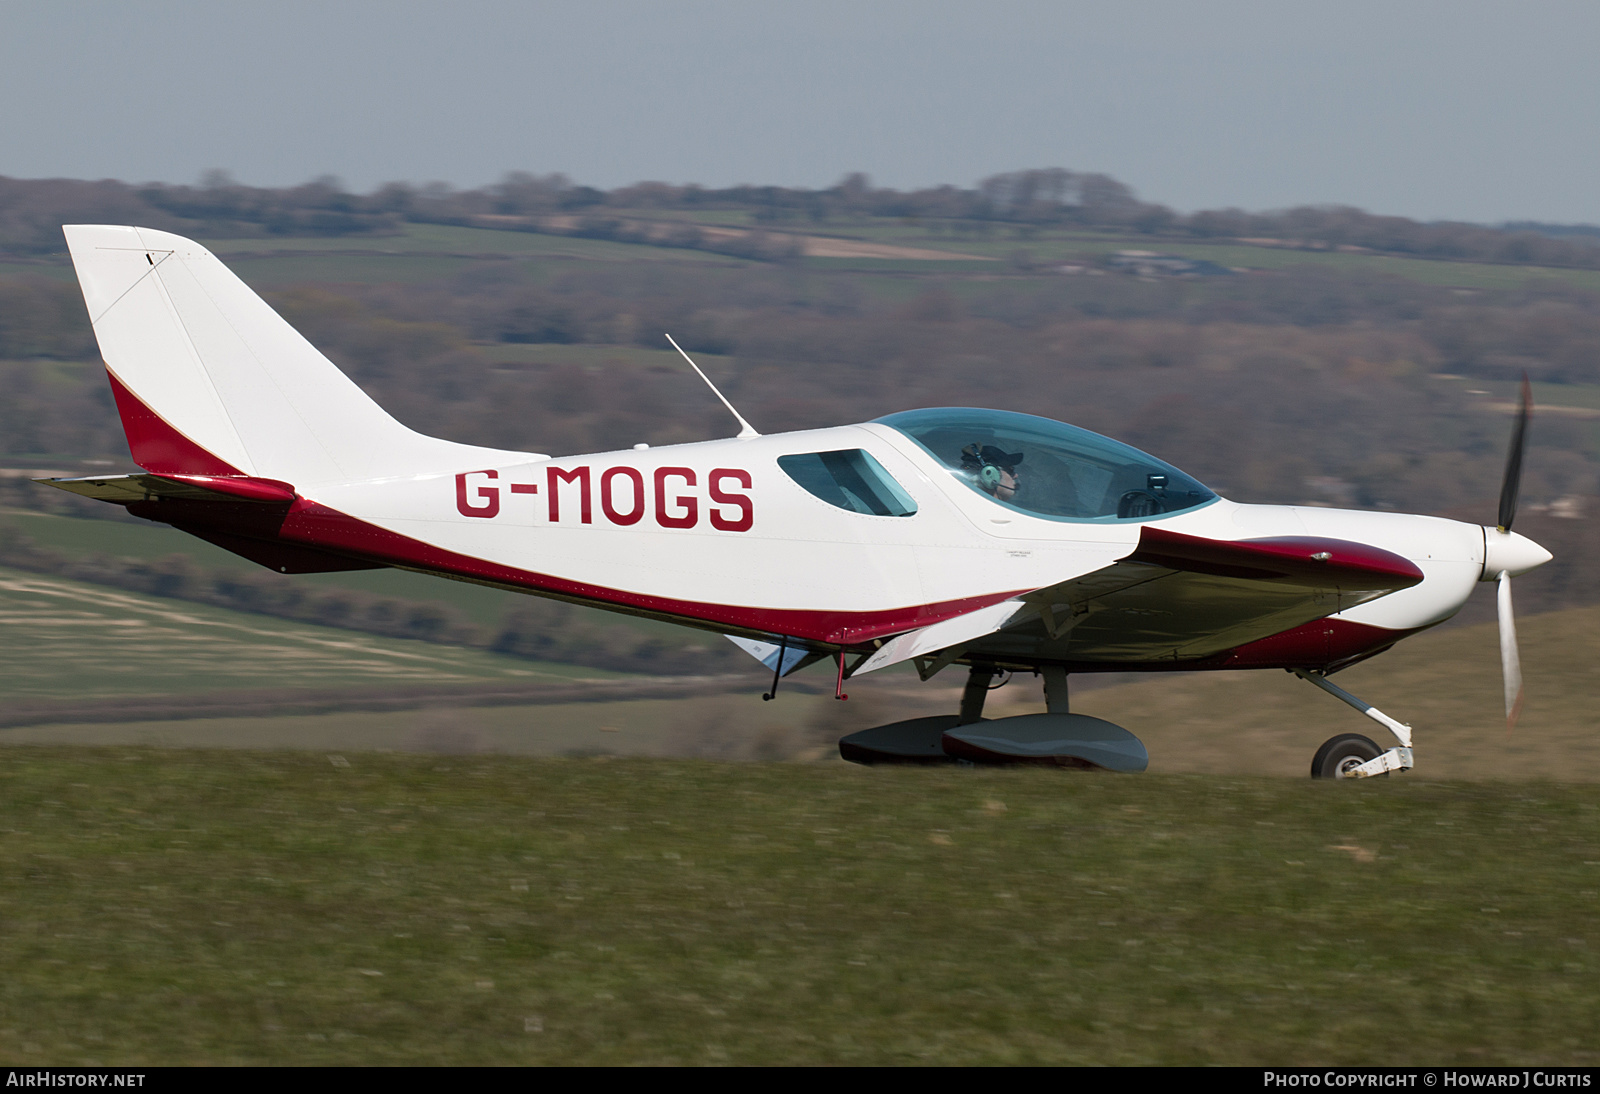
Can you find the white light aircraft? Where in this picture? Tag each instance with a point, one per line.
(997, 541)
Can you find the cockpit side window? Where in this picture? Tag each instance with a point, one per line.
(1047, 468)
(850, 479)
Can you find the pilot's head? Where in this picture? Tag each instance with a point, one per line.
(993, 469)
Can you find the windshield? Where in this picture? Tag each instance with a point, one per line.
(1047, 468)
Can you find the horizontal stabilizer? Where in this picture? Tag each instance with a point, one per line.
(126, 489)
(191, 498)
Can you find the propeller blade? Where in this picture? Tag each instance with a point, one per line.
(1510, 663)
(1513, 478)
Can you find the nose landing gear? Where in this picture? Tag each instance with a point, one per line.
(1350, 755)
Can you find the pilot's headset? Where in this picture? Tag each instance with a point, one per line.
(989, 465)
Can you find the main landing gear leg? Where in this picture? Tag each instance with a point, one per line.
(1055, 689)
(973, 695)
(1350, 755)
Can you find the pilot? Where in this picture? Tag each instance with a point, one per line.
(994, 470)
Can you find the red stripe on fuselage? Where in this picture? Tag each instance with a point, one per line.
(316, 525)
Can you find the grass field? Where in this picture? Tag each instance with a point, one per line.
(304, 908)
(734, 726)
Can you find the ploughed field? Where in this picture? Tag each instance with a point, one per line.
(176, 907)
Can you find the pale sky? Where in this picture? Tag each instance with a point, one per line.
(1462, 110)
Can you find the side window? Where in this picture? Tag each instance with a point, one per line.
(850, 479)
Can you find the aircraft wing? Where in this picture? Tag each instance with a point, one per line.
(1174, 598)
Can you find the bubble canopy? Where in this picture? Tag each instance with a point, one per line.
(1047, 468)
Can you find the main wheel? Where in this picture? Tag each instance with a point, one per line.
(1340, 755)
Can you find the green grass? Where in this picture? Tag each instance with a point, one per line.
(730, 726)
(294, 908)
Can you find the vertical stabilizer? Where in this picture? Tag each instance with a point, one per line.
(209, 378)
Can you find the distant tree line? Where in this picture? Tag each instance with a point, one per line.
(32, 211)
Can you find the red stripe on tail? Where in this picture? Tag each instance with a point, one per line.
(158, 447)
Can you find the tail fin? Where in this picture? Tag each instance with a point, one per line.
(210, 380)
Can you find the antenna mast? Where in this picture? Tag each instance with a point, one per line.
(746, 430)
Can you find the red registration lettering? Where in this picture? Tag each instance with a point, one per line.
(608, 502)
(579, 475)
(691, 504)
(746, 516)
(489, 495)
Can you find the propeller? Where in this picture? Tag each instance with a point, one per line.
(1513, 477)
(1510, 661)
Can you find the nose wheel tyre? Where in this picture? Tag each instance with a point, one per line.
(1340, 755)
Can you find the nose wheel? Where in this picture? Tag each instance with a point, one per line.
(1339, 756)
